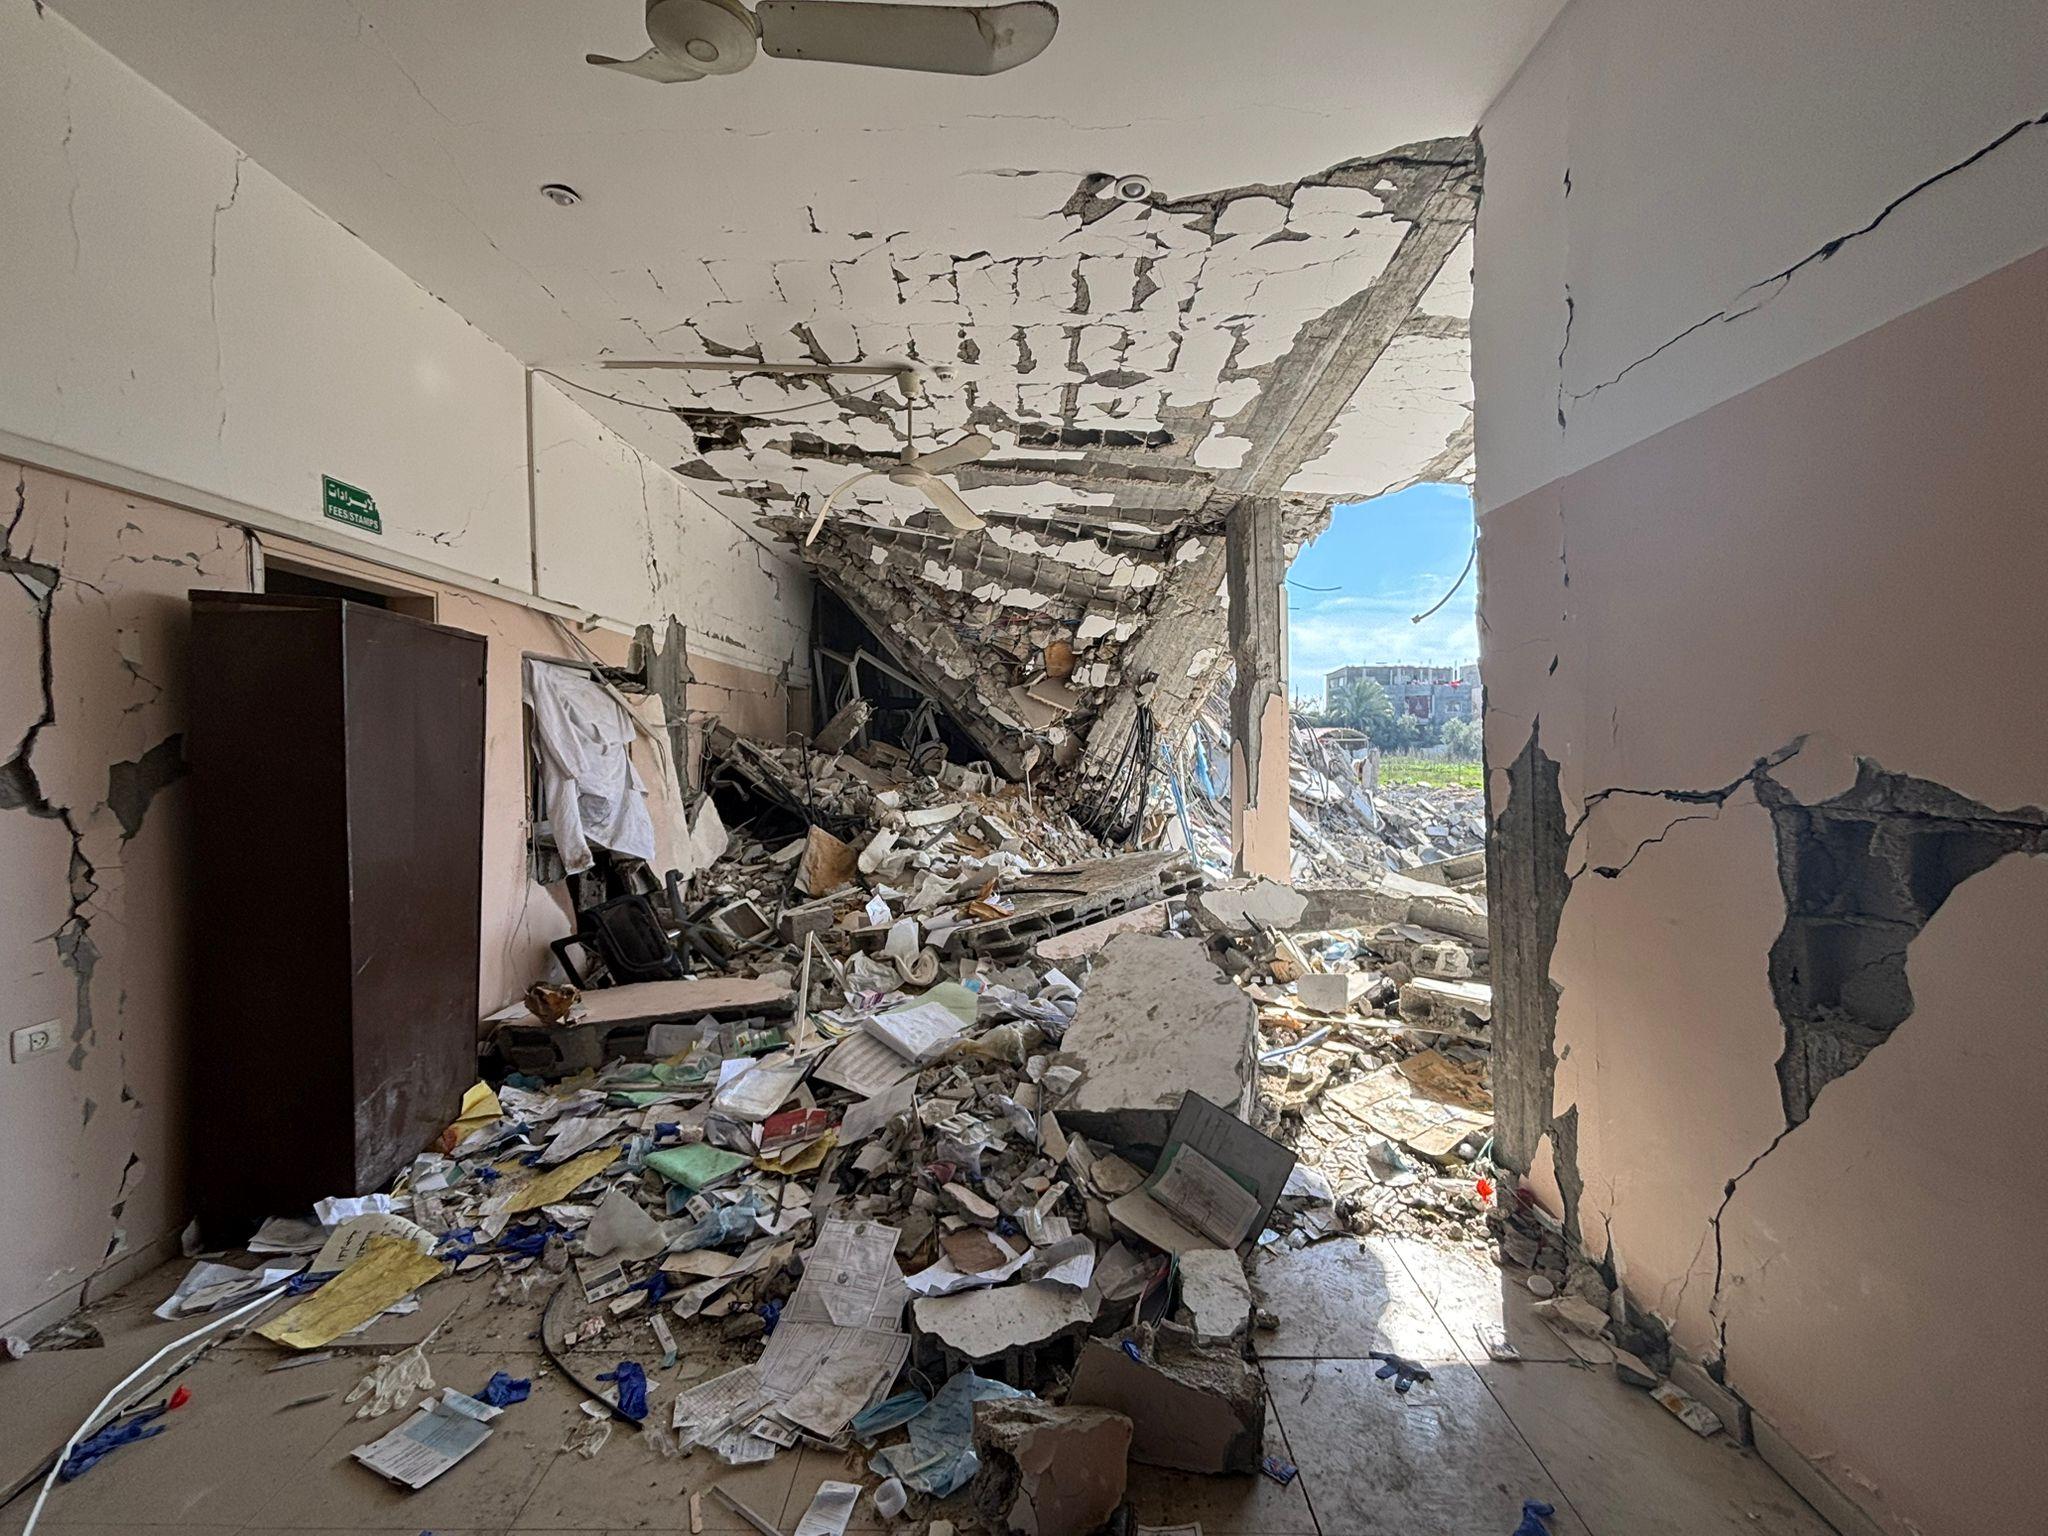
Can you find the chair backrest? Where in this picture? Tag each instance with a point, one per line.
(629, 936)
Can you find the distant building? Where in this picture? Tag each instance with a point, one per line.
(1435, 694)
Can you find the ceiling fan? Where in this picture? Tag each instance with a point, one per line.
(921, 471)
(695, 38)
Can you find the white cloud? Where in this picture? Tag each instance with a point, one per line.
(1347, 628)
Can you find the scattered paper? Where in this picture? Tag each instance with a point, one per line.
(757, 1090)
(348, 1241)
(865, 1065)
(336, 1209)
(850, 1278)
(551, 1187)
(622, 1227)
(424, 1446)
(389, 1269)
(874, 1112)
(831, 1508)
(288, 1234)
(919, 1032)
(207, 1287)
(710, 1408)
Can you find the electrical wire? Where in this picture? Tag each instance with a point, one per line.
(115, 1391)
(1432, 608)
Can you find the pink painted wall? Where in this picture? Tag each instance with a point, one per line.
(93, 1133)
(1847, 550)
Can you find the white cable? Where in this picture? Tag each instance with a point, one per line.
(93, 1418)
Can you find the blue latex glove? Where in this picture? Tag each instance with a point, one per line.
(1404, 1372)
(1534, 1513)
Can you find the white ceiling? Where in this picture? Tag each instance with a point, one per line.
(880, 211)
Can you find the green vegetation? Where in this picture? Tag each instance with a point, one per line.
(1432, 771)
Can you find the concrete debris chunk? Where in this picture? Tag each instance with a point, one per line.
(1332, 991)
(1158, 1020)
(1046, 1470)
(1216, 1294)
(1196, 1408)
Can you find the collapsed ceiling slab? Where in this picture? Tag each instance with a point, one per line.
(1240, 270)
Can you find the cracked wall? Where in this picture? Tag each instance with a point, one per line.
(92, 822)
(1737, 578)
(178, 319)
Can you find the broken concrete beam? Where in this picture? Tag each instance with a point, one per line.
(1245, 905)
(1193, 1408)
(1458, 913)
(1157, 1021)
(1216, 1293)
(844, 725)
(1046, 1470)
(1331, 991)
(1456, 870)
(1453, 1003)
(1065, 948)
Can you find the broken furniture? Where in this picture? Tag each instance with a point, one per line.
(337, 762)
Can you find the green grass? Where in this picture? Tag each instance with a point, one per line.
(1429, 770)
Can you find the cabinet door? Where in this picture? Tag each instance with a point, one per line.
(415, 730)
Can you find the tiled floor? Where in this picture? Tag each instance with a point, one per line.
(1454, 1457)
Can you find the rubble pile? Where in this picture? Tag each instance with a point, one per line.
(945, 1145)
(1344, 823)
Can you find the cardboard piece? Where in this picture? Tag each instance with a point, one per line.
(645, 1002)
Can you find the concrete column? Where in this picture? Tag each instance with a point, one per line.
(1255, 573)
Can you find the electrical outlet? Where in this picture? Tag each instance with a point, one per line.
(32, 1039)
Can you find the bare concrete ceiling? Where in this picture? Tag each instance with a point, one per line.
(1283, 314)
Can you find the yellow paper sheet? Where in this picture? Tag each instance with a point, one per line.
(388, 1270)
(480, 1107)
(804, 1159)
(555, 1183)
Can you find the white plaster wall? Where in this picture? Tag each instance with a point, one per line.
(619, 534)
(1709, 148)
(168, 305)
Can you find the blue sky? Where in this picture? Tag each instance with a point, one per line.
(1387, 559)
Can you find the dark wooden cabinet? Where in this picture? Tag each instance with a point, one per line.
(337, 763)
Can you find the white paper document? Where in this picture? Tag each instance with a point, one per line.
(872, 1113)
(851, 1278)
(823, 1375)
(920, 1031)
(709, 1409)
(831, 1508)
(424, 1446)
(865, 1065)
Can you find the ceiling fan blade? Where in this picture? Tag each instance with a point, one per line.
(969, 448)
(939, 39)
(951, 507)
(651, 65)
(818, 522)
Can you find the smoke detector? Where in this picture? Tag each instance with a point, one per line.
(1133, 189)
(561, 196)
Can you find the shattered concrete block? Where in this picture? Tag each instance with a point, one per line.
(811, 917)
(1192, 1407)
(1445, 958)
(1046, 1470)
(1157, 1020)
(973, 1326)
(1245, 905)
(844, 725)
(1453, 1004)
(741, 921)
(1216, 1293)
(1332, 991)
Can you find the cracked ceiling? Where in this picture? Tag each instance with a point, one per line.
(1282, 314)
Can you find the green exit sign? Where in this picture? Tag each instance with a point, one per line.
(349, 504)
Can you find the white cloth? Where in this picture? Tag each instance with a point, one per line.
(593, 792)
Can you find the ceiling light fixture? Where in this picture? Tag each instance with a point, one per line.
(1133, 189)
(561, 196)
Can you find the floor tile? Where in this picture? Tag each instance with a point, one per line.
(814, 1467)
(628, 1487)
(1251, 1505)
(220, 1456)
(485, 1490)
(1441, 1460)
(1468, 1294)
(1340, 1299)
(1631, 1469)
